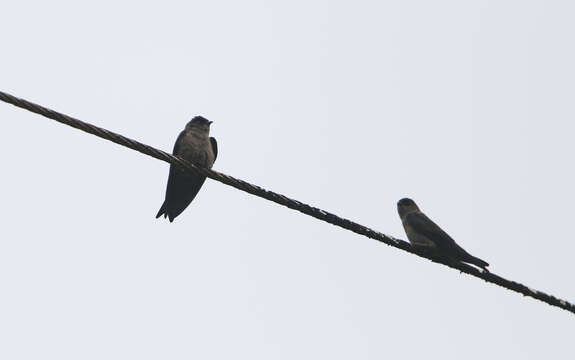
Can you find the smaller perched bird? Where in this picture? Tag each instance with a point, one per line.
(193, 144)
(425, 234)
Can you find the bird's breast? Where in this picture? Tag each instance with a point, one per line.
(199, 151)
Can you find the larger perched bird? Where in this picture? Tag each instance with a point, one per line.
(425, 234)
(194, 144)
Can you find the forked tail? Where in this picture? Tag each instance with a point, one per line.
(477, 261)
(162, 211)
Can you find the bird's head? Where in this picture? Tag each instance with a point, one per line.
(406, 206)
(199, 125)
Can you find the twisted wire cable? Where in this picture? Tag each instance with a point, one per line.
(317, 213)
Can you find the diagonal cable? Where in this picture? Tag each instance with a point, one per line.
(282, 200)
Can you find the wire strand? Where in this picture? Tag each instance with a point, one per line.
(282, 200)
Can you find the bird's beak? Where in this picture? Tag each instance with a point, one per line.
(210, 122)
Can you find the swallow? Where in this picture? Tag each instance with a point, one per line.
(425, 234)
(195, 145)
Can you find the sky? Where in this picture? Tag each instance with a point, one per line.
(464, 106)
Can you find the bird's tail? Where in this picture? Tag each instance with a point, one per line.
(165, 213)
(477, 261)
(162, 210)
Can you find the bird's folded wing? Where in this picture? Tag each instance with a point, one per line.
(425, 226)
(214, 147)
(179, 140)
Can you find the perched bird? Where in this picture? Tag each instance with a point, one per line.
(425, 234)
(193, 144)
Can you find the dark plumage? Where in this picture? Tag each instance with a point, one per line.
(193, 144)
(424, 233)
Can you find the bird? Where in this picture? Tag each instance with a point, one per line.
(426, 235)
(195, 145)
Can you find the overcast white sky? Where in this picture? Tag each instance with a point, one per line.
(465, 106)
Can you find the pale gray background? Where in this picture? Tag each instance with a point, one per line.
(466, 106)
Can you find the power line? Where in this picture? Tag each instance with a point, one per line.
(282, 200)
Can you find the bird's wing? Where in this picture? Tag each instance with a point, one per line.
(175, 173)
(179, 140)
(425, 226)
(164, 210)
(214, 147)
(182, 187)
